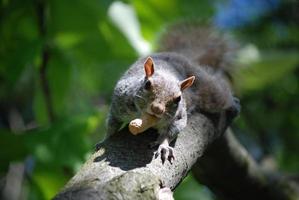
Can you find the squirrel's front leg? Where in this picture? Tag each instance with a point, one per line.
(168, 135)
(113, 124)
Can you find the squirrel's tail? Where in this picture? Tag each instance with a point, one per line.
(202, 44)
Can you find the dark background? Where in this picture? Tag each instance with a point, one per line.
(59, 62)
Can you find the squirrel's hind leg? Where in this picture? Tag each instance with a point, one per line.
(233, 111)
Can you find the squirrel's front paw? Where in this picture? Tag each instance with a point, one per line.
(97, 146)
(166, 152)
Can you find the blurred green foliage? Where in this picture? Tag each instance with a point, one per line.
(87, 53)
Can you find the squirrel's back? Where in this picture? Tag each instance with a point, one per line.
(211, 56)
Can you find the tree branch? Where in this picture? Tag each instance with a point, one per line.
(232, 174)
(126, 168)
(41, 8)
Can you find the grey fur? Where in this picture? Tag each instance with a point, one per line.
(202, 44)
(210, 93)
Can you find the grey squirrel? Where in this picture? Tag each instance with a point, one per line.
(172, 84)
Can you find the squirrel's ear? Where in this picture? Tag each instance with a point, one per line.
(149, 67)
(187, 82)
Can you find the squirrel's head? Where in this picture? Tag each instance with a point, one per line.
(161, 92)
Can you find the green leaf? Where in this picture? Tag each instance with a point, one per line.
(270, 68)
(12, 147)
(49, 181)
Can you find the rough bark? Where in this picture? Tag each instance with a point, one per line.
(126, 168)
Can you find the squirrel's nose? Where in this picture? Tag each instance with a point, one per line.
(157, 108)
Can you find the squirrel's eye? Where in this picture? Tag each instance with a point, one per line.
(177, 100)
(147, 85)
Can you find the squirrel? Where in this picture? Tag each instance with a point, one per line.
(187, 75)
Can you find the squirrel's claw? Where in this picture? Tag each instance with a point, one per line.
(166, 152)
